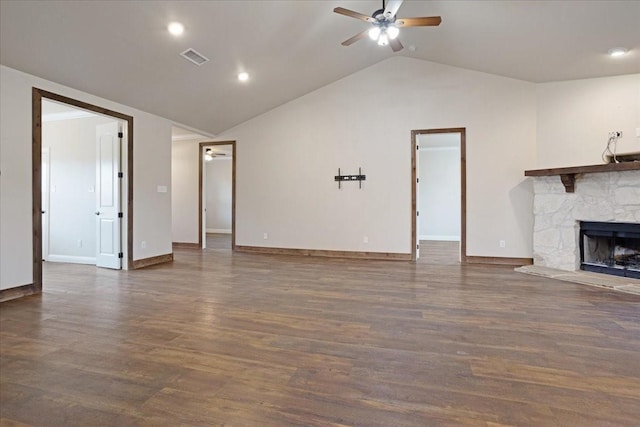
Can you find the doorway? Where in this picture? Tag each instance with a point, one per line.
(438, 181)
(107, 144)
(80, 186)
(217, 195)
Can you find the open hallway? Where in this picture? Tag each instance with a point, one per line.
(218, 338)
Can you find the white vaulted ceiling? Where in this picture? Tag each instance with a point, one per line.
(121, 50)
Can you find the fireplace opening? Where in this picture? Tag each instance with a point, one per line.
(610, 248)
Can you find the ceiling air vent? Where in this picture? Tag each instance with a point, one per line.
(193, 56)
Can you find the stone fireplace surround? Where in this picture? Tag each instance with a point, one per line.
(604, 196)
(565, 196)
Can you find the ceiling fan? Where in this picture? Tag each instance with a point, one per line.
(209, 154)
(385, 24)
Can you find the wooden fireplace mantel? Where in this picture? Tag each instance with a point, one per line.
(568, 175)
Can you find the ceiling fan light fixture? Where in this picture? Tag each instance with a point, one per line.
(383, 40)
(393, 32)
(617, 52)
(374, 32)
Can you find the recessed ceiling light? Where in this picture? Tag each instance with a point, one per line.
(243, 77)
(175, 28)
(618, 51)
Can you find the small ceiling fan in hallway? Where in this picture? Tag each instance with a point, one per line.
(210, 154)
(385, 24)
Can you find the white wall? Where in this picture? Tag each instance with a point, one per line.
(218, 195)
(439, 193)
(72, 200)
(152, 167)
(184, 180)
(287, 159)
(575, 117)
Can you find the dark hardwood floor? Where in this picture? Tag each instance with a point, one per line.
(217, 338)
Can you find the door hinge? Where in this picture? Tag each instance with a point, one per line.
(417, 246)
(418, 180)
(120, 175)
(120, 255)
(417, 147)
(120, 215)
(417, 213)
(120, 135)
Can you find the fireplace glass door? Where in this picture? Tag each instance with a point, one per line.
(610, 248)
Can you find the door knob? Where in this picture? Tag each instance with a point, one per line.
(98, 212)
(43, 212)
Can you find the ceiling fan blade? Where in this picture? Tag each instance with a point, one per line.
(427, 21)
(355, 38)
(395, 45)
(351, 13)
(392, 8)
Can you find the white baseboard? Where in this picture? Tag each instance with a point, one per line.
(219, 230)
(441, 238)
(72, 259)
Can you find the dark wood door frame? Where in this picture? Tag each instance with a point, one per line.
(36, 109)
(463, 187)
(233, 188)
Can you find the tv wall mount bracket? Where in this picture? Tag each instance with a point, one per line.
(359, 177)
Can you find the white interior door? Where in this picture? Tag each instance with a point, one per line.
(45, 203)
(108, 224)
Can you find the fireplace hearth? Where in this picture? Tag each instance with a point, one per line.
(610, 248)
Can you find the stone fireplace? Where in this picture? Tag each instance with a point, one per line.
(563, 198)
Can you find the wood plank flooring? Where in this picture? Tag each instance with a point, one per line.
(218, 241)
(217, 338)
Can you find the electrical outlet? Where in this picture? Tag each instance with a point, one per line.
(502, 243)
(79, 243)
(365, 239)
(615, 134)
(265, 236)
(143, 244)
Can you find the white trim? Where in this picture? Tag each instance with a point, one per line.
(72, 259)
(219, 230)
(442, 238)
